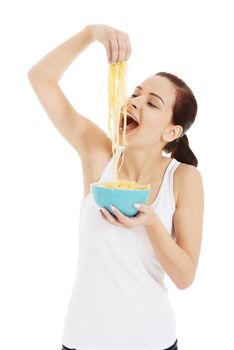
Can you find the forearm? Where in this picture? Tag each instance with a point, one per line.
(173, 259)
(53, 65)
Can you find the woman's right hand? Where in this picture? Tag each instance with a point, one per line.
(116, 42)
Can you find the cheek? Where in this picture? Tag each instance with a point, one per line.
(152, 124)
(153, 127)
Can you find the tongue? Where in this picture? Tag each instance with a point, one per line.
(132, 125)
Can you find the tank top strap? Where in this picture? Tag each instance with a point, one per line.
(173, 167)
(168, 172)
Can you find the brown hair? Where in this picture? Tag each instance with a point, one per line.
(184, 113)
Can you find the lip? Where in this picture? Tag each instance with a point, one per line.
(133, 116)
(128, 131)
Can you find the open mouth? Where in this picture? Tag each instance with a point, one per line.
(131, 123)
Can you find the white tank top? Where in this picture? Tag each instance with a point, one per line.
(119, 300)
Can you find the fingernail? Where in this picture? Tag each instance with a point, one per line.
(137, 205)
(113, 208)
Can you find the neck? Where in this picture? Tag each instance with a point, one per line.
(141, 164)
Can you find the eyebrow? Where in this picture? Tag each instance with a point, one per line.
(153, 94)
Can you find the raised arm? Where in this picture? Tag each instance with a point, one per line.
(90, 141)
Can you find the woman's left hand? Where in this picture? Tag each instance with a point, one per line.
(144, 217)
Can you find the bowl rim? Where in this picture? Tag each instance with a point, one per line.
(92, 184)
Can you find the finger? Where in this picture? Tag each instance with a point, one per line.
(122, 49)
(103, 215)
(127, 55)
(129, 49)
(121, 217)
(132, 222)
(143, 207)
(146, 210)
(114, 49)
(106, 43)
(110, 217)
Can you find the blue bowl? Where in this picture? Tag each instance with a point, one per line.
(123, 199)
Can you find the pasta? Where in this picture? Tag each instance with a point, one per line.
(124, 184)
(117, 102)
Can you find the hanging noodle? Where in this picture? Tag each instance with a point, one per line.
(117, 102)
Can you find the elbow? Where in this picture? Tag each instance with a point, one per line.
(182, 286)
(32, 74)
(35, 74)
(185, 283)
(185, 280)
(37, 77)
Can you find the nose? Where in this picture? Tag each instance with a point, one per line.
(131, 105)
(134, 103)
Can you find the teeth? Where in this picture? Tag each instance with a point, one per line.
(129, 126)
(129, 115)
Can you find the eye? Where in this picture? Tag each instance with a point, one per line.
(149, 103)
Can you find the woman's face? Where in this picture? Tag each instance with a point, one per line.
(151, 103)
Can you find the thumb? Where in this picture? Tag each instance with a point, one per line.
(141, 206)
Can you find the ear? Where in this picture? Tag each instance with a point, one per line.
(171, 133)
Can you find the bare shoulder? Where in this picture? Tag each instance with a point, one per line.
(187, 171)
(187, 180)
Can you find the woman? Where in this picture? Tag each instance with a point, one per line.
(119, 299)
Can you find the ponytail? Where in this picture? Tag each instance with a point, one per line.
(184, 113)
(181, 151)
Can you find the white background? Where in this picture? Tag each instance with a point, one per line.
(41, 178)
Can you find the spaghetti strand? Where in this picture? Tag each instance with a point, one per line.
(117, 102)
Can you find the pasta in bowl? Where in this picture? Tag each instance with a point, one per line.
(122, 194)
